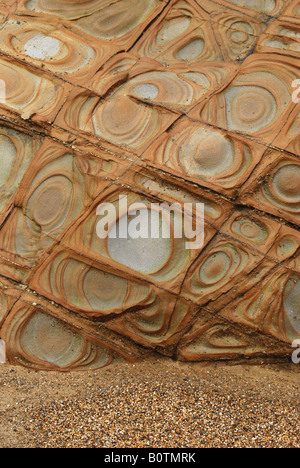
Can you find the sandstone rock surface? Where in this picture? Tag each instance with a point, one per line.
(179, 101)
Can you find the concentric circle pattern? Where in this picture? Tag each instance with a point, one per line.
(60, 51)
(125, 126)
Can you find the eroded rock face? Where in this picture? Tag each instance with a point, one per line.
(180, 101)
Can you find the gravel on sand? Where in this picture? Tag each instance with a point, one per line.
(160, 404)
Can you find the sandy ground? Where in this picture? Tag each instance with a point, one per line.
(160, 404)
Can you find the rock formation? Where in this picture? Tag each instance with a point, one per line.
(179, 101)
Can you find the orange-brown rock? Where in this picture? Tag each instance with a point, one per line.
(163, 102)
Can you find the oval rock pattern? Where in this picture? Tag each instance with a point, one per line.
(170, 102)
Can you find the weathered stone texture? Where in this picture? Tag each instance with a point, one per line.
(179, 101)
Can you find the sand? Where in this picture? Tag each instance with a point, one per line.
(160, 404)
